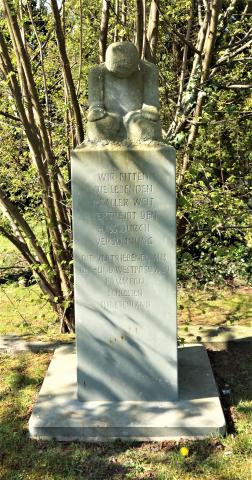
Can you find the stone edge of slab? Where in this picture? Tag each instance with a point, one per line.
(48, 419)
(221, 334)
(14, 343)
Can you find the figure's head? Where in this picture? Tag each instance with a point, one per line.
(122, 59)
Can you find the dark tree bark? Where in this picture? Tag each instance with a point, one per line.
(139, 26)
(67, 71)
(152, 31)
(104, 29)
(51, 268)
(206, 64)
(144, 31)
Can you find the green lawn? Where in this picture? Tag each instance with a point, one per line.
(215, 458)
(25, 311)
(10, 258)
(222, 306)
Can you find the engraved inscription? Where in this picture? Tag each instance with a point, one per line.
(125, 304)
(121, 189)
(125, 210)
(123, 241)
(125, 293)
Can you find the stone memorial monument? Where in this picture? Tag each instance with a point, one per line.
(123, 98)
(127, 379)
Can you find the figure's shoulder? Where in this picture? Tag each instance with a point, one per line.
(148, 67)
(97, 70)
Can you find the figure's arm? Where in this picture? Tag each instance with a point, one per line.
(96, 93)
(150, 107)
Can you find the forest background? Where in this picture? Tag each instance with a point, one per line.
(203, 52)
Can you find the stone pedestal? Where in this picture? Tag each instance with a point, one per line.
(197, 414)
(123, 382)
(125, 272)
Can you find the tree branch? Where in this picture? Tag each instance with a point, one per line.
(144, 31)
(139, 26)
(67, 70)
(25, 228)
(179, 35)
(104, 29)
(24, 250)
(152, 30)
(229, 55)
(8, 115)
(237, 86)
(51, 197)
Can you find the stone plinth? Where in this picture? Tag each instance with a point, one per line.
(198, 413)
(125, 273)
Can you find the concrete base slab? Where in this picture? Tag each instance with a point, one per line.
(14, 344)
(214, 334)
(197, 414)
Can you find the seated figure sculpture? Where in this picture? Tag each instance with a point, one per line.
(123, 97)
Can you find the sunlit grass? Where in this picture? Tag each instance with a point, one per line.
(25, 311)
(22, 458)
(223, 306)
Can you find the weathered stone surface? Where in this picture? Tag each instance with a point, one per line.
(198, 413)
(215, 334)
(13, 344)
(123, 97)
(125, 278)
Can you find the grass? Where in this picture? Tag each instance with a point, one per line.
(223, 306)
(215, 458)
(11, 262)
(25, 311)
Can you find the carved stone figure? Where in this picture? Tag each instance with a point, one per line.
(123, 97)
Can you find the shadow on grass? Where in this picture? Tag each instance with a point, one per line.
(241, 309)
(225, 308)
(18, 343)
(232, 367)
(22, 458)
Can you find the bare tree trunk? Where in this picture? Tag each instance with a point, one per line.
(210, 40)
(52, 274)
(200, 15)
(191, 137)
(124, 16)
(183, 108)
(104, 29)
(67, 70)
(247, 10)
(116, 20)
(144, 30)
(152, 31)
(43, 70)
(81, 47)
(139, 26)
(200, 44)
(184, 63)
(208, 56)
(25, 228)
(26, 253)
(21, 53)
